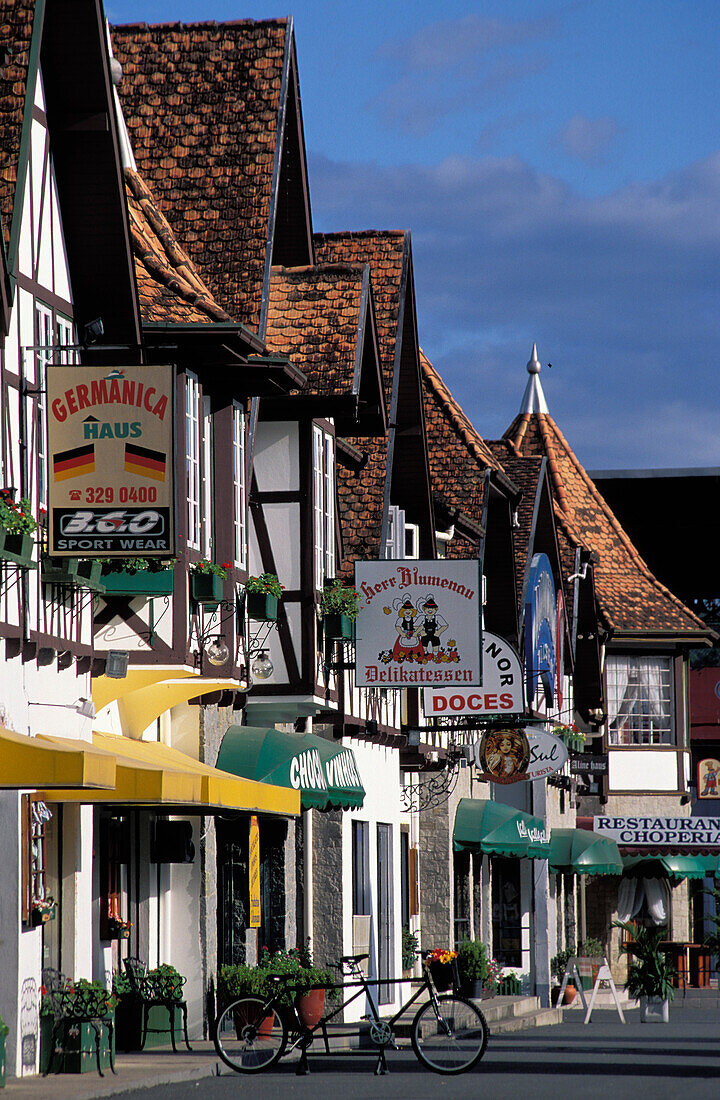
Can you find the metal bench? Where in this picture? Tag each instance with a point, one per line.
(152, 992)
(72, 1005)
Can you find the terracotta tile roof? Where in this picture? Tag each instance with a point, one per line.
(385, 252)
(360, 504)
(169, 286)
(201, 102)
(16, 21)
(630, 597)
(313, 318)
(525, 473)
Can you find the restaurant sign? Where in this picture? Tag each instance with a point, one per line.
(419, 623)
(693, 832)
(501, 691)
(110, 461)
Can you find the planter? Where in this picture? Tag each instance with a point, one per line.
(261, 606)
(118, 931)
(128, 1024)
(145, 583)
(2, 1061)
(473, 988)
(310, 1007)
(338, 628)
(206, 587)
(17, 548)
(654, 1010)
(77, 1048)
(444, 975)
(73, 572)
(42, 916)
(512, 987)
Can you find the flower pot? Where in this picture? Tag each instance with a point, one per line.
(60, 571)
(310, 1007)
(16, 547)
(338, 627)
(473, 988)
(89, 574)
(569, 995)
(129, 1021)
(42, 916)
(444, 975)
(244, 1015)
(76, 1053)
(121, 582)
(261, 606)
(654, 1010)
(206, 587)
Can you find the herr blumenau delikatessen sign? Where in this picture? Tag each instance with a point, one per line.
(419, 623)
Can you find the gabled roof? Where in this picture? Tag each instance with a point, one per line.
(322, 317)
(631, 599)
(213, 114)
(170, 288)
(360, 503)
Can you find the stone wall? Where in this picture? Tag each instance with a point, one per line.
(327, 887)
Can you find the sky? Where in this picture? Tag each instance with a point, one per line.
(558, 167)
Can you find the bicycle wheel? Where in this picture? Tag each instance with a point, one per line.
(248, 1037)
(450, 1039)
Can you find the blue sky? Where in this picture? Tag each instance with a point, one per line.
(558, 165)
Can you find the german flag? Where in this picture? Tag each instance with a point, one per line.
(81, 460)
(147, 463)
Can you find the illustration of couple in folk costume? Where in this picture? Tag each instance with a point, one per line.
(419, 628)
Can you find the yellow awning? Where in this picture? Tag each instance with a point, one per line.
(30, 762)
(107, 689)
(152, 774)
(142, 707)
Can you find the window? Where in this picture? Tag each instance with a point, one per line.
(640, 700)
(324, 505)
(403, 539)
(35, 816)
(239, 483)
(193, 460)
(206, 473)
(44, 343)
(506, 912)
(361, 867)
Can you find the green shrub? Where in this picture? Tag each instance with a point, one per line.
(472, 961)
(650, 972)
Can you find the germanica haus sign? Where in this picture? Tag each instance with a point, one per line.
(698, 832)
(501, 691)
(308, 773)
(110, 461)
(419, 623)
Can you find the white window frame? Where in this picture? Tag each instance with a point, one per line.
(640, 699)
(206, 478)
(44, 343)
(239, 484)
(193, 451)
(323, 447)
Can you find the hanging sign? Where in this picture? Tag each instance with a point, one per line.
(585, 764)
(254, 873)
(698, 832)
(419, 623)
(110, 461)
(540, 630)
(708, 773)
(503, 758)
(501, 691)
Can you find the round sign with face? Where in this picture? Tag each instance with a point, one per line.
(504, 755)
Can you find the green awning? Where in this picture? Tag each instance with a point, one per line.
(675, 868)
(325, 772)
(498, 830)
(582, 852)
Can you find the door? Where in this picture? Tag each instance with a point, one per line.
(385, 922)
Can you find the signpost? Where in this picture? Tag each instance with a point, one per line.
(419, 623)
(110, 461)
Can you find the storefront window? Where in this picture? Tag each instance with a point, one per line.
(506, 912)
(639, 696)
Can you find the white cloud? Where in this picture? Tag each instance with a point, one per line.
(588, 139)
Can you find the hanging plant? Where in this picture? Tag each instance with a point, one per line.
(16, 518)
(339, 599)
(204, 567)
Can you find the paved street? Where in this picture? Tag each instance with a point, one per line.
(604, 1060)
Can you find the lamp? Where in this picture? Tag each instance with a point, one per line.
(86, 707)
(93, 330)
(217, 651)
(116, 664)
(262, 667)
(413, 738)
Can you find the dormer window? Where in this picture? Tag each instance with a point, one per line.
(403, 539)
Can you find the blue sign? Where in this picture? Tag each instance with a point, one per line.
(540, 630)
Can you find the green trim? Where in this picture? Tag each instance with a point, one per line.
(33, 69)
(582, 852)
(498, 830)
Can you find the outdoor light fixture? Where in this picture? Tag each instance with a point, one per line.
(93, 330)
(217, 652)
(116, 664)
(262, 667)
(83, 706)
(413, 738)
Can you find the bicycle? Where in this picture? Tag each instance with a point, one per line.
(449, 1033)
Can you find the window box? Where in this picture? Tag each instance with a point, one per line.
(17, 547)
(73, 572)
(75, 1052)
(121, 582)
(206, 587)
(338, 627)
(42, 914)
(262, 607)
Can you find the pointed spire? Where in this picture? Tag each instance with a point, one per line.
(533, 399)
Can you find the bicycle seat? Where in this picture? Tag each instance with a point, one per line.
(354, 958)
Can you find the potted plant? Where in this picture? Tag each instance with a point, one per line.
(42, 910)
(163, 980)
(472, 967)
(410, 945)
(442, 966)
(4, 1029)
(308, 987)
(340, 605)
(262, 594)
(119, 929)
(206, 580)
(650, 972)
(138, 576)
(17, 525)
(494, 977)
(80, 1001)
